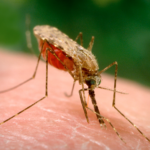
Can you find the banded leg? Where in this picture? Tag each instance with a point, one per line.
(90, 48)
(92, 95)
(81, 82)
(109, 123)
(114, 98)
(52, 52)
(83, 101)
(34, 74)
(71, 90)
(46, 94)
(91, 44)
(84, 104)
(81, 79)
(104, 88)
(81, 38)
(28, 35)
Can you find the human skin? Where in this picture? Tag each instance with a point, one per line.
(58, 122)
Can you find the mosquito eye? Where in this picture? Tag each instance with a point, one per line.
(92, 82)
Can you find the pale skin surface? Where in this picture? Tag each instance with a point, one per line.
(58, 122)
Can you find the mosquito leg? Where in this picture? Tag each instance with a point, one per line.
(51, 51)
(104, 88)
(81, 82)
(114, 63)
(34, 74)
(91, 44)
(81, 38)
(84, 104)
(108, 122)
(114, 97)
(46, 94)
(71, 90)
(28, 35)
(83, 101)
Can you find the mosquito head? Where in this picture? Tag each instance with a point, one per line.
(93, 81)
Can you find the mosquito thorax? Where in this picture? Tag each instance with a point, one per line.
(93, 81)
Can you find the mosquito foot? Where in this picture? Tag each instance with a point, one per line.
(67, 95)
(102, 123)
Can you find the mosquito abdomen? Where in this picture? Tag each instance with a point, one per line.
(53, 60)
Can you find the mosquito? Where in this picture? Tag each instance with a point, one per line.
(66, 54)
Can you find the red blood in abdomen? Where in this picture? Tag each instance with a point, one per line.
(68, 62)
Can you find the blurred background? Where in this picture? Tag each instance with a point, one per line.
(121, 29)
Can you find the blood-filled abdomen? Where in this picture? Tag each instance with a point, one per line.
(68, 62)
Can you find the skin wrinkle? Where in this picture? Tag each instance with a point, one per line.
(138, 145)
(66, 118)
(73, 135)
(89, 138)
(29, 139)
(51, 111)
(66, 135)
(75, 130)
